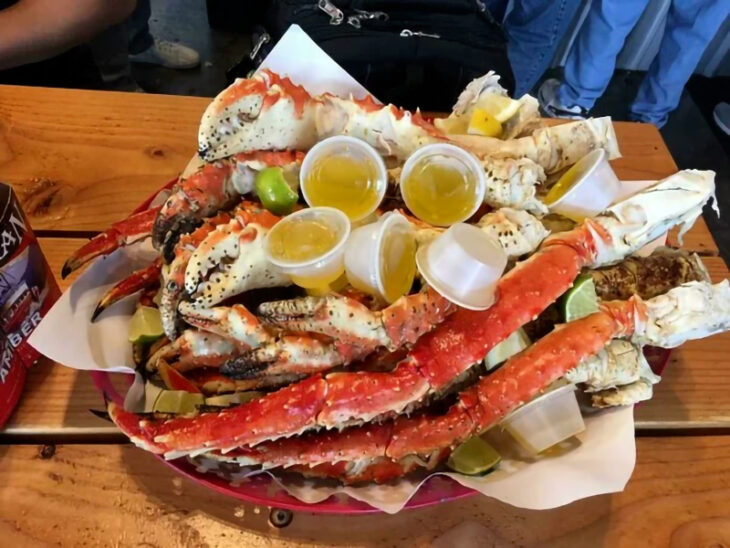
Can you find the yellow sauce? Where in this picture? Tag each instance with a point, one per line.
(303, 240)
(440, 191)
(398, 264)
(344, 181)
(564, 184)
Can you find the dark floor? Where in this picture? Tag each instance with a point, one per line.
(690, 134)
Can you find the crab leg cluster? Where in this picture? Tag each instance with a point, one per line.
(440, 357)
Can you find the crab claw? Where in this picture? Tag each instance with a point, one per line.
(230, 261)
(132, 229)
(144, 278)
(214, 186)
(290, 355)
(234, 322)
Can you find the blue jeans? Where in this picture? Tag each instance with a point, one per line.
(534, 29)
(690, 26)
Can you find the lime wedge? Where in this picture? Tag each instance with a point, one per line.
(146, 325)
(226, 400)
(474, 456)
(274, 192)
(580, 300)
(500, 107)
(178, 402)
(513, 344)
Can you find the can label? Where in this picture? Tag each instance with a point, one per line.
(27, 291)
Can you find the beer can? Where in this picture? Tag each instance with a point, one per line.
(28, 289)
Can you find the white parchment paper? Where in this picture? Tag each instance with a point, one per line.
(601, 460)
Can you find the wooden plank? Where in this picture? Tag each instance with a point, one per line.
(693, 393)
(83, 159)
(113, 495)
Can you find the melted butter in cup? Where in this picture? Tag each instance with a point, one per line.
(309, 246)
(345, 173)
(442, 184)
(380, 257)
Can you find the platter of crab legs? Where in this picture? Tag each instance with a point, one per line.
(353, 384)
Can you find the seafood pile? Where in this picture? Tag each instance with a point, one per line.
(342, 383)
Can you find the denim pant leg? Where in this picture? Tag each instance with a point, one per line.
(592, 58)
(138, 28)
(534, 28)
(691, 26)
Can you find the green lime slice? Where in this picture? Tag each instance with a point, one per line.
(146, 325)
(513, 344)
(474, 456)
(580, 300)
(274, 192)
(226, 400)
(178, 402)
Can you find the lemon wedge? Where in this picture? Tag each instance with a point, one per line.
(500, 107)
(483, 123)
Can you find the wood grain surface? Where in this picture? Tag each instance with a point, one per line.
(118, 495)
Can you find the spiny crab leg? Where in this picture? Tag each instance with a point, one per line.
(443, 355)
(384, 452)
(125, 232)
(234, 122)
(357, 332)
(144, 278)
(212, 187)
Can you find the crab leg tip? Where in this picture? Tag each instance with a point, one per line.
(68, 268)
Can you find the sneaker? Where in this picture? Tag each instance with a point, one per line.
(547, 96)
(168, 54)
(721, 114)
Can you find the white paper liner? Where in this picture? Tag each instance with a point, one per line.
(601, 463)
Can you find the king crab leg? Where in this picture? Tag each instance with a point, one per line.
(144, 278)
(390, 450)
(134, 228)
(439, 357)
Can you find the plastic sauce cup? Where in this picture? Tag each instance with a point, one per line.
(342, 191)
(366, 256)
(322, 268)
(546, 420)
(432, 198)
(463, 264)
(593, 187)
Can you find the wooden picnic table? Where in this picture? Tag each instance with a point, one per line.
(80, 160)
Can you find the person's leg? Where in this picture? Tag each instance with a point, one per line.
(111, 56)
(691, 25)
(144, 48)
(534, 29)
(138, 28)
(592, 59)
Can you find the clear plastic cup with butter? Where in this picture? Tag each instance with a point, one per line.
(345, 173)
(309, 246)
(442, 184)
(380, 257)
(586, 188)
(546, 420)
